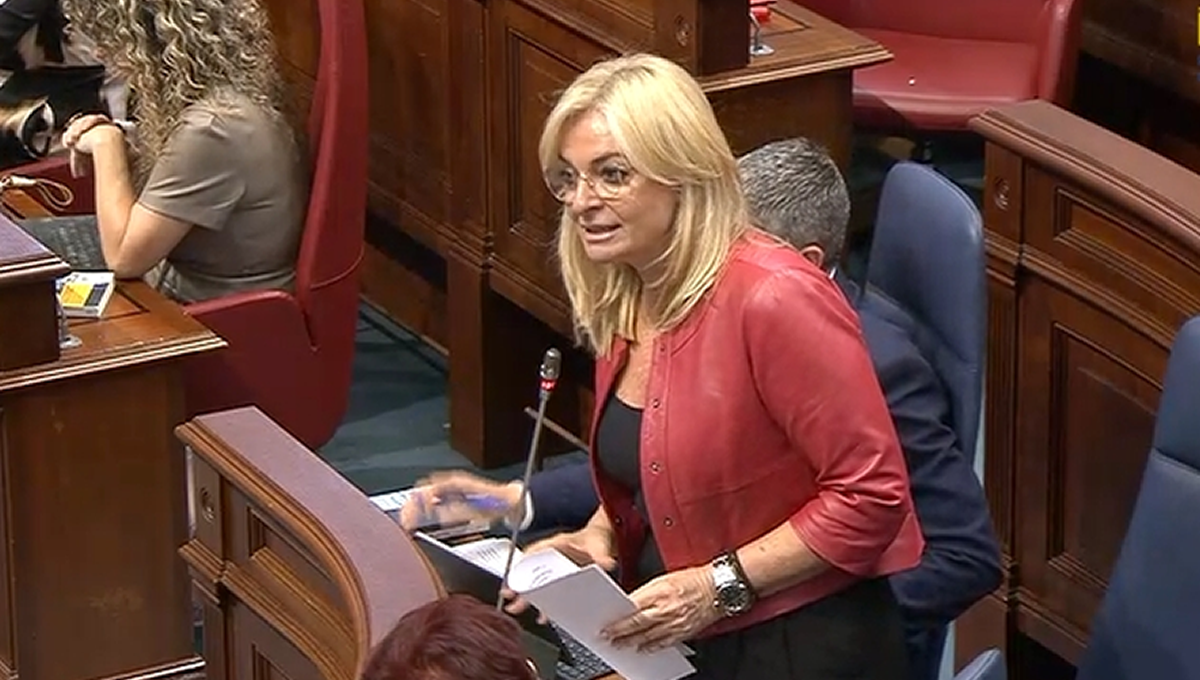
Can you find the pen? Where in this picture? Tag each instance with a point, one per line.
(479, 501)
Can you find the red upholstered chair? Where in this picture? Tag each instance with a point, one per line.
(291, 354)
(954, 60)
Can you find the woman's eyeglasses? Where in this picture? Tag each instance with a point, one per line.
(609, 181)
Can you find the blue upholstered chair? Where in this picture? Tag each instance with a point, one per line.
(927, 255)
(1147, 625)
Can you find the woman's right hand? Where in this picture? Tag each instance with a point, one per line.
(590, 545)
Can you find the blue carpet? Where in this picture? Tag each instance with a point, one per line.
(395, 430)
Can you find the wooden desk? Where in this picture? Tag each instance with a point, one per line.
(92, 486)
(1093, 264)
(459, 90)
(300, 574)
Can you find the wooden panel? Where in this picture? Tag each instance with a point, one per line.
(8, 626)
(1089, 392)
(95, 492)
(1140, 273)
(261, 551)
(410, 139)
(314, 576)
(1093, 248)
(541, 58)
(259, 652)
(27, 274)
(207, 496)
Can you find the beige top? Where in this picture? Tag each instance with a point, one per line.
(233, 174)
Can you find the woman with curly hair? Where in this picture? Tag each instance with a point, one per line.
(205, 193)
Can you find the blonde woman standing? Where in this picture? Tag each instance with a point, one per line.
(753, 493)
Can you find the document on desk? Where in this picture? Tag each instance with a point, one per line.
(581, 600)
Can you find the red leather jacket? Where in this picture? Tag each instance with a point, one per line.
(763, 407)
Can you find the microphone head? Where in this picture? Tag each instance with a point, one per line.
(551, 365)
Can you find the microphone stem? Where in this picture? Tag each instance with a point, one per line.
(523, 501)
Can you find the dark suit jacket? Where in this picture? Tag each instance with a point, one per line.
(961, 562)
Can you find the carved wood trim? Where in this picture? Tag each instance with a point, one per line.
(1101, 163)
(271, 609)
(202, 561)
(1099, 295)
(263, 454)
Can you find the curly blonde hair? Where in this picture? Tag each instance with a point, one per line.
(176, 53)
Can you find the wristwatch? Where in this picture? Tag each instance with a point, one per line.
(734, 594)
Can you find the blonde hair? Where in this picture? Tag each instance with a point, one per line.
(176, 53)
(666, 129)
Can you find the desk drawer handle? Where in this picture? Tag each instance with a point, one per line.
(683, 31)
(206, 506)
(1001, 197)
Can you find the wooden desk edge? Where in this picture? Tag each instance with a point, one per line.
(1157, 190)
(364, 552)
(199, 339)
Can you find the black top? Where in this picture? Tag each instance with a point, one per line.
(618, 451)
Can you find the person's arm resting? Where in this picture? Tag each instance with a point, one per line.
(815, 378)
(561, 497)
(961, 562)
(193, 184)
(132, 238)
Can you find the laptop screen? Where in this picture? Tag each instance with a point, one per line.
(462, 577)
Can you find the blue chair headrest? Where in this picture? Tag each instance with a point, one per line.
(928, 256)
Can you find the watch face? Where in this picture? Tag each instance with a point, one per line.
(735, 598)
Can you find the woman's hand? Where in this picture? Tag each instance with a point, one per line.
(446, 494)
(671, 608)
(83, 132)
(590, 545)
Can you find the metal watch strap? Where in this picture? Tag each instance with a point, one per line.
(727, 574)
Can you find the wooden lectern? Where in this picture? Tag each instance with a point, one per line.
(301, 575)
(1093, 265)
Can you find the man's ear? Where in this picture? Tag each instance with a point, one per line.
(813, 253)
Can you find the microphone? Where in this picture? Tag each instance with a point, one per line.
(547, 380)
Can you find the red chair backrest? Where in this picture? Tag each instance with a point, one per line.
(332, 246)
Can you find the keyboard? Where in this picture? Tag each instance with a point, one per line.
(579, 662)
(74, 238)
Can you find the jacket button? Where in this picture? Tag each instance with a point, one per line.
(667, 522)
(655, 467)
(616, 521)
(654, 403)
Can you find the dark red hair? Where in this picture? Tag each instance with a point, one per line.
(458, 638)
